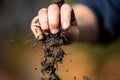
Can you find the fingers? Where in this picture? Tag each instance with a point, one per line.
(53, 18)
(43, 19)
(66, 12)
(35, 28)
(47, 21)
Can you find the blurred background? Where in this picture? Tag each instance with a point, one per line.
(20, 61)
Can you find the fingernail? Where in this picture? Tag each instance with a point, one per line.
(54, 31)
(39, 36)
(65, 25)
(46, 32)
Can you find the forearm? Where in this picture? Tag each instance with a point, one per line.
(87, 28)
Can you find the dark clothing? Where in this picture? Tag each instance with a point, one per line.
(108, 14)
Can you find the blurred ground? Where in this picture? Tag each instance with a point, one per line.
(94, 61)
(18, 59)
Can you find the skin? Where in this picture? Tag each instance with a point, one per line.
(83, 27)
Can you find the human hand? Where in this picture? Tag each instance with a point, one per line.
(49, 19)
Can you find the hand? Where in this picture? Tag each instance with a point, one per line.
(47, 20)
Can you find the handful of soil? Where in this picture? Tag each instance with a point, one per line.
(53, 54)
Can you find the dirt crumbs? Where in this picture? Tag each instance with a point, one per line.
(86, 78)
(53, 54)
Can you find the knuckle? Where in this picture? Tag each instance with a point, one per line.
(66, 5)
(31, 28)
(53, 6)
(43, 10)
(66, 8)
(35, 19)
(44, 28)
(39, 36)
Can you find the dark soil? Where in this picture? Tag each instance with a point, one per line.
(53, 54)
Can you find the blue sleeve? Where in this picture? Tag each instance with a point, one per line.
(108, 15)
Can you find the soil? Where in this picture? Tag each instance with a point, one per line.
(53, 54)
